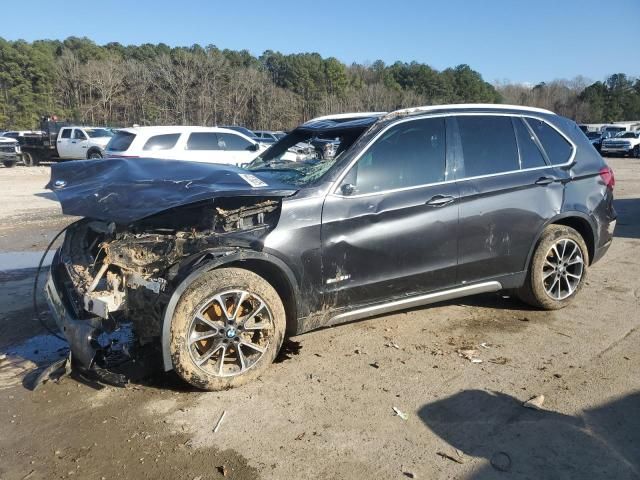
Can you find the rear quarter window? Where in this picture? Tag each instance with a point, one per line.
(121, 141)
(161, 142)
(557, 148)
(229, 141)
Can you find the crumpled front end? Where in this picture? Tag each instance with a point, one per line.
(105, 275)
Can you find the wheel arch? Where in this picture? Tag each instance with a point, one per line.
(93, 149)
(579, 221)
(271, 268)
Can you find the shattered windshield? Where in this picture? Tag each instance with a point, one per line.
(303, 156)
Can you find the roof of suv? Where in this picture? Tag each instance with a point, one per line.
(178, 129)
(465, 106)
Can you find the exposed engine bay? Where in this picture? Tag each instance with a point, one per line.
(110, 274)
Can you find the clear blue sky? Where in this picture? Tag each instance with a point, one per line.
(516, 40)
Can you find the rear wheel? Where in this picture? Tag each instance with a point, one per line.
(29, 159)
(227, 329)
(558, 269)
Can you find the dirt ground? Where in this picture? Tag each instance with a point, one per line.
(326, 409)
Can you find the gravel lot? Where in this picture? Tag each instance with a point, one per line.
(325, 410)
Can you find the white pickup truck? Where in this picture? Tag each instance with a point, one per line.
(624, 143)
(70, 143)
(82, 142)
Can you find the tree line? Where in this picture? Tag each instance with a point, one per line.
(154, 84)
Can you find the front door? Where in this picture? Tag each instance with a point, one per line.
(390, 228)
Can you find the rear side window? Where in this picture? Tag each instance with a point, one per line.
(558, 149)
(203, 141)
(229, 141)
(66, 133)
(161, 142)
(488, 145)
(121, 141)
(407, 155)
(530, 154)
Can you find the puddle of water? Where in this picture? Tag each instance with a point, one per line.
(18, 360)
(22, 260)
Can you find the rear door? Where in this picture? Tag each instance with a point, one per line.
(63, 144)
(390, 228)
(507, 193)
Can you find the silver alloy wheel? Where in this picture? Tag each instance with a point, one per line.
(563, 269)
(230, 333)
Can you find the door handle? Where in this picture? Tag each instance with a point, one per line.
(73, 141)
(545, 180)
(440, 200)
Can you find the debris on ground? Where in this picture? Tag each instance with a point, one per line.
(455, 456)
(409, 474)
(53, 372)
(501, 461)
(215, 429)
(400, 414)
(499, 360)
(393, 345)
(485, 345)
(469, 354)
(375, 365)
(223, 470)
(534, 402)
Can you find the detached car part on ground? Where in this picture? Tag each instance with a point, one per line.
(218, 263)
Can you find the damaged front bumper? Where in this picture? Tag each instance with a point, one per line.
(82, 335)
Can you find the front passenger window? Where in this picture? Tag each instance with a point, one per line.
(407, 155)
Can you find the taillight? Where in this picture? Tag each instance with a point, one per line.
(607, 177)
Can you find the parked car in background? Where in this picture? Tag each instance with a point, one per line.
(595, 138)
(62, 141)
(624, 143)
(245, 131)
(9, 151)
(268, 137)
(417, 206)
(199, 144)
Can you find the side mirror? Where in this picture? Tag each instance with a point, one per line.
(348, 189)
(254, 147)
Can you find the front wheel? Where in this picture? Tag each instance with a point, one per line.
(636, 152)
(94, 155)
(558, 269)
(227, 329)
(8, 163)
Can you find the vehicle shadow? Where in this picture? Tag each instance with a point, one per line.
(628, 210)
(603, 442)
(47, 195)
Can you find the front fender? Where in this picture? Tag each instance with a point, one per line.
(210, 261)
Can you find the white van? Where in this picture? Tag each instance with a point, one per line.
(198, 144)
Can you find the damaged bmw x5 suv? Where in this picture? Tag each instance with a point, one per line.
(218, 263)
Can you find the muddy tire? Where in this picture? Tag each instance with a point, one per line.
(558, 269)
(227, 328)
